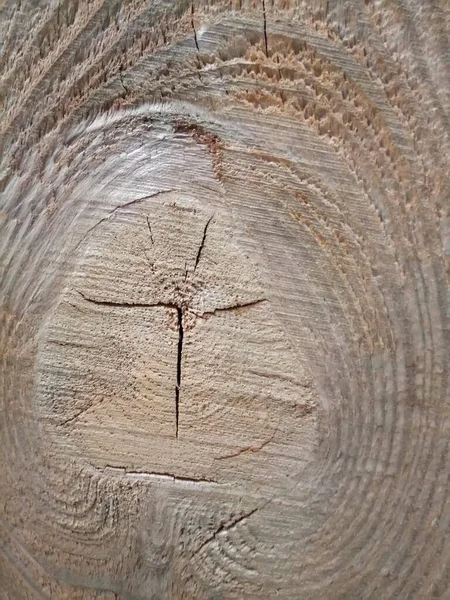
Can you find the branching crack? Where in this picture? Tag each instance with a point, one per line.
(121, 207)
(265, 27)
(193, 27)
(180, 337)
(202, 243)
(180, 327)
(179, 360)
(224, 527)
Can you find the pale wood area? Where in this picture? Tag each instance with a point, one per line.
(224, 287)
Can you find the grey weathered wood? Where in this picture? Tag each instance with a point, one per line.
(225, 243)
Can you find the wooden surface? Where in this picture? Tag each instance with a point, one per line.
(224, 285)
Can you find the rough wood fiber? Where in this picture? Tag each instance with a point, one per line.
(224, 333)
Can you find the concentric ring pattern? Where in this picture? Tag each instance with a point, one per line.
(224, 341)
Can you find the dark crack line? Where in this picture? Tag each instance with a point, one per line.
(67, 344)
(120, 207)
(74, 306)
(127, 304)
(209, 313)
(179, 359)
(171, 305)
(202, 243)
(150, 230)
(265, 27)
(247, 449)
(78, 415)
(179, 310)
(72, 419)
(193, 27)
(126, 90)
(162, 474)
(225, 527)
(180, 338)
(149, 262)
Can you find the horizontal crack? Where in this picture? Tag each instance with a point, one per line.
(128, 304)
(161, 475)
(209, 313)
(172, 305)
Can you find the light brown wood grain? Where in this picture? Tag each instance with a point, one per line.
(224, 286)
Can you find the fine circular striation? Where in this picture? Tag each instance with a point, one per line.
(224, 322)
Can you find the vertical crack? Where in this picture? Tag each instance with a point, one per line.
(126, 90)
(265, 27)
(150, 230)
(179, 358)
(193, 27)
(202, 243)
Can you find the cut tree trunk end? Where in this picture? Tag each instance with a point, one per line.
(224, 288)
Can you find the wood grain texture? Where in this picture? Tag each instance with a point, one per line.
(224, 323)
